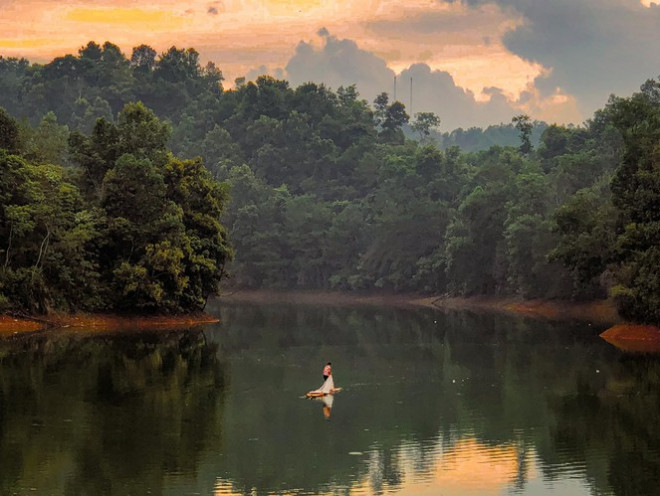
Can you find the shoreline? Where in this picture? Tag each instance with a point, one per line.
(598, 311)
(102, 322)
(622, 334)
(628, 337)
(603, 312)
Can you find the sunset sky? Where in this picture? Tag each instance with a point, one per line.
(473, 62)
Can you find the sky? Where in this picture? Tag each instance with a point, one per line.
(472, 62)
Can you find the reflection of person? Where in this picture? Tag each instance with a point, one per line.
(327, 405)
(327, 370)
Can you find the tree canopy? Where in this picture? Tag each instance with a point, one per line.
(316, 187)
(128, 228)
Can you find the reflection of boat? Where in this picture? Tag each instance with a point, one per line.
(327, 400)
(327, 388)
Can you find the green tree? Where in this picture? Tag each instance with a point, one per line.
(528, 238)
(395, 118)
(138, 132)
(86, 113)
(143, 59)
(586, 226)
(424, 123)
(255, 220)
(202, 201)
(381, 104)
(39, 210)
(9, 132)
(636, 195)
(524, 126)
(48, 142)
(307, 223)
(163, 247)
(474, 250)
(13, 72)
(177, 65)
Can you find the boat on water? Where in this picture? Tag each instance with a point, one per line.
(327, 388)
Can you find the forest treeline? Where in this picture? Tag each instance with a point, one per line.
(327, 191)
(127, 228)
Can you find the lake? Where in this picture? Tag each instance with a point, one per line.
(432, 403)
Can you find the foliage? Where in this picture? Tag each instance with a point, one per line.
(130, 228)
(586, 226)
(475, 139)
(39, 224)
(9, 132)
(326, 191)
(424, 123)
(636, 194)
(524, 126)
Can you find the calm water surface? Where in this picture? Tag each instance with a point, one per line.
(432, 404)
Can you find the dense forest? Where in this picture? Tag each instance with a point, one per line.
(129, 227)
(316, 188)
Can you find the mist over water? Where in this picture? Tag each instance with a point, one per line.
(432, 403)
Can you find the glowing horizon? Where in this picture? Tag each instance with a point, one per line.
(468, 41)
(54, 30)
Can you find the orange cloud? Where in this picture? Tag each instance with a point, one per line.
(134, 18)
(38, 43)
(557, 108)
(240, 35)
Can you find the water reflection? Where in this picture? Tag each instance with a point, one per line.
(94, 415)
(456, 404)
(466, 467)
(327, 402)
(451, 404)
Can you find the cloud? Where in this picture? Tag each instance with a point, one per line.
(436, 91)
(337, 63)
(592, 48)
(558, 58)
(263, 70)
(462, 40)
(135, 17)
(341, 62)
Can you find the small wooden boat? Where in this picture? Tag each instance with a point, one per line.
(327, 388)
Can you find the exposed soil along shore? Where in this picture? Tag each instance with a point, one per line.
(596, 311)
(623, 335)
(10, 325)
(636, 338)
(100, 322)
(599, 311)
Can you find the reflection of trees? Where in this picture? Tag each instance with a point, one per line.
(100, 412)
(427, 396)
(481, 377)
(620, 418)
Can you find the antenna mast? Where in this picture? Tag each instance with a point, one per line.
(411, 95)
(395, 87)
